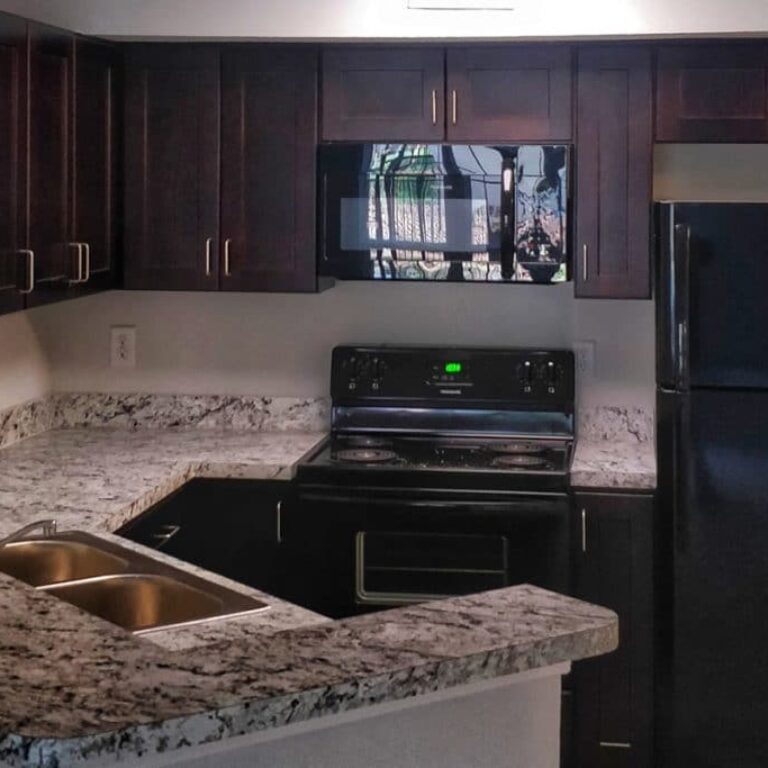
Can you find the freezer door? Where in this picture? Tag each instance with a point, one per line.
(712, 686)
(713, 295)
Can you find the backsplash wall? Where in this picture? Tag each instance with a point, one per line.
(24, 373)
(279, 345)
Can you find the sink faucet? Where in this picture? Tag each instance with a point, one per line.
(48, 527)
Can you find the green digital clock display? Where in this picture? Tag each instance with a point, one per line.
(453, 368)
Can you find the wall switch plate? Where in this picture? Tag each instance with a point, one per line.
(122, 348)
(584, 352)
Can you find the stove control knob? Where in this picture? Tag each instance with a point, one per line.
(526, 374)
(552, 376)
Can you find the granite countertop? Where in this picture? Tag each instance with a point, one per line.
(619, 464)
(75, 689)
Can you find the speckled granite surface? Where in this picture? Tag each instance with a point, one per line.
(615, 449)
(74, 689)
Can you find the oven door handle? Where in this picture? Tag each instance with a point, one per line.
(530, 504)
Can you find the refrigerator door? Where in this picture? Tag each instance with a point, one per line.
(713, 295)
(712, 706)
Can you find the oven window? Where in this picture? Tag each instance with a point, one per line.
(399, 568)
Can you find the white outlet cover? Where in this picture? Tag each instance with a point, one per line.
(122, 350)
(585, 352)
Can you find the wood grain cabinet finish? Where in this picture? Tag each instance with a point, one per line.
(613, 694)
(269, 132)
(51, 70)
(614, 173)
(518, 93)
(13, 110)
(375, 93)
(95, 165)
(712, 93)
(172, 109)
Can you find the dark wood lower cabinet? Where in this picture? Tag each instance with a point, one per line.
(613, 694)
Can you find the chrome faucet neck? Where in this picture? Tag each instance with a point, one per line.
(48, 528)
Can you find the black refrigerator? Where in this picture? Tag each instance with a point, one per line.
(712, 362)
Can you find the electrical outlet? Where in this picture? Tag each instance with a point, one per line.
(123, 346)
(585, 359)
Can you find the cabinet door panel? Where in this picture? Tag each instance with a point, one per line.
(712, 93)
(388, 94)
(94, 162)
(13, 46)
(172, 167)
(268, 169)
(613, 712)
(50, 154)
(614, 162)
(510, 93)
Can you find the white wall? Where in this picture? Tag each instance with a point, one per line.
(24, 373)
(281, 344)
(378, 19)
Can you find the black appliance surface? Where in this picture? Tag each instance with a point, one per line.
(444, 212)
(712, 686)
(446, 473)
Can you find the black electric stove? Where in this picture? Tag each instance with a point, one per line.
(462, 418)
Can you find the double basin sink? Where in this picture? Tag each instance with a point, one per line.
(133, 591)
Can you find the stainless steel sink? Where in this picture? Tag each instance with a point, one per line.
(51, 561)
(122, 586)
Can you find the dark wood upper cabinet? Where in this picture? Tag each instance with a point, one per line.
(94, 166)
(383, 93)
(614, 173)
(711, 93)
(51, 67)
(172, 160)
(269, 132)
(510, 93)
(613, 712)
(13, 111)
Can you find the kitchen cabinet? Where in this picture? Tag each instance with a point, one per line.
(172, 110)
(613, 695)
(95, 165)
(269, 131)
(465, 94)
(518, 93)
(375, 93)
(229, 527)
(712, 92)
(51, 68)
(13, 110)
(614, 172)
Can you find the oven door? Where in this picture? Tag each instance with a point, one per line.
(368, 551)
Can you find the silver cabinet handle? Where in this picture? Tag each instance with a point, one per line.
(227, 245)
(208, 244)
(615, 745)
(279, 522)
(87, 266)
(30, 271)
(168, 532)
(583, 530)
(454, 107)
(585, 262)
(79, 279)
(434, 107)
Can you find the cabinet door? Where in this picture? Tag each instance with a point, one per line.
(172, 164)
(51, 60)
(614, 173)
(94, 162)
(709, 93)
(13, 108)
(613, 694)
(386, 94)
(269, 129)
(510, 93)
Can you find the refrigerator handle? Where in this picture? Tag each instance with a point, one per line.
(680, 301)
(681, 470)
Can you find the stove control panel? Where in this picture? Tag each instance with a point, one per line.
(407, 374)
